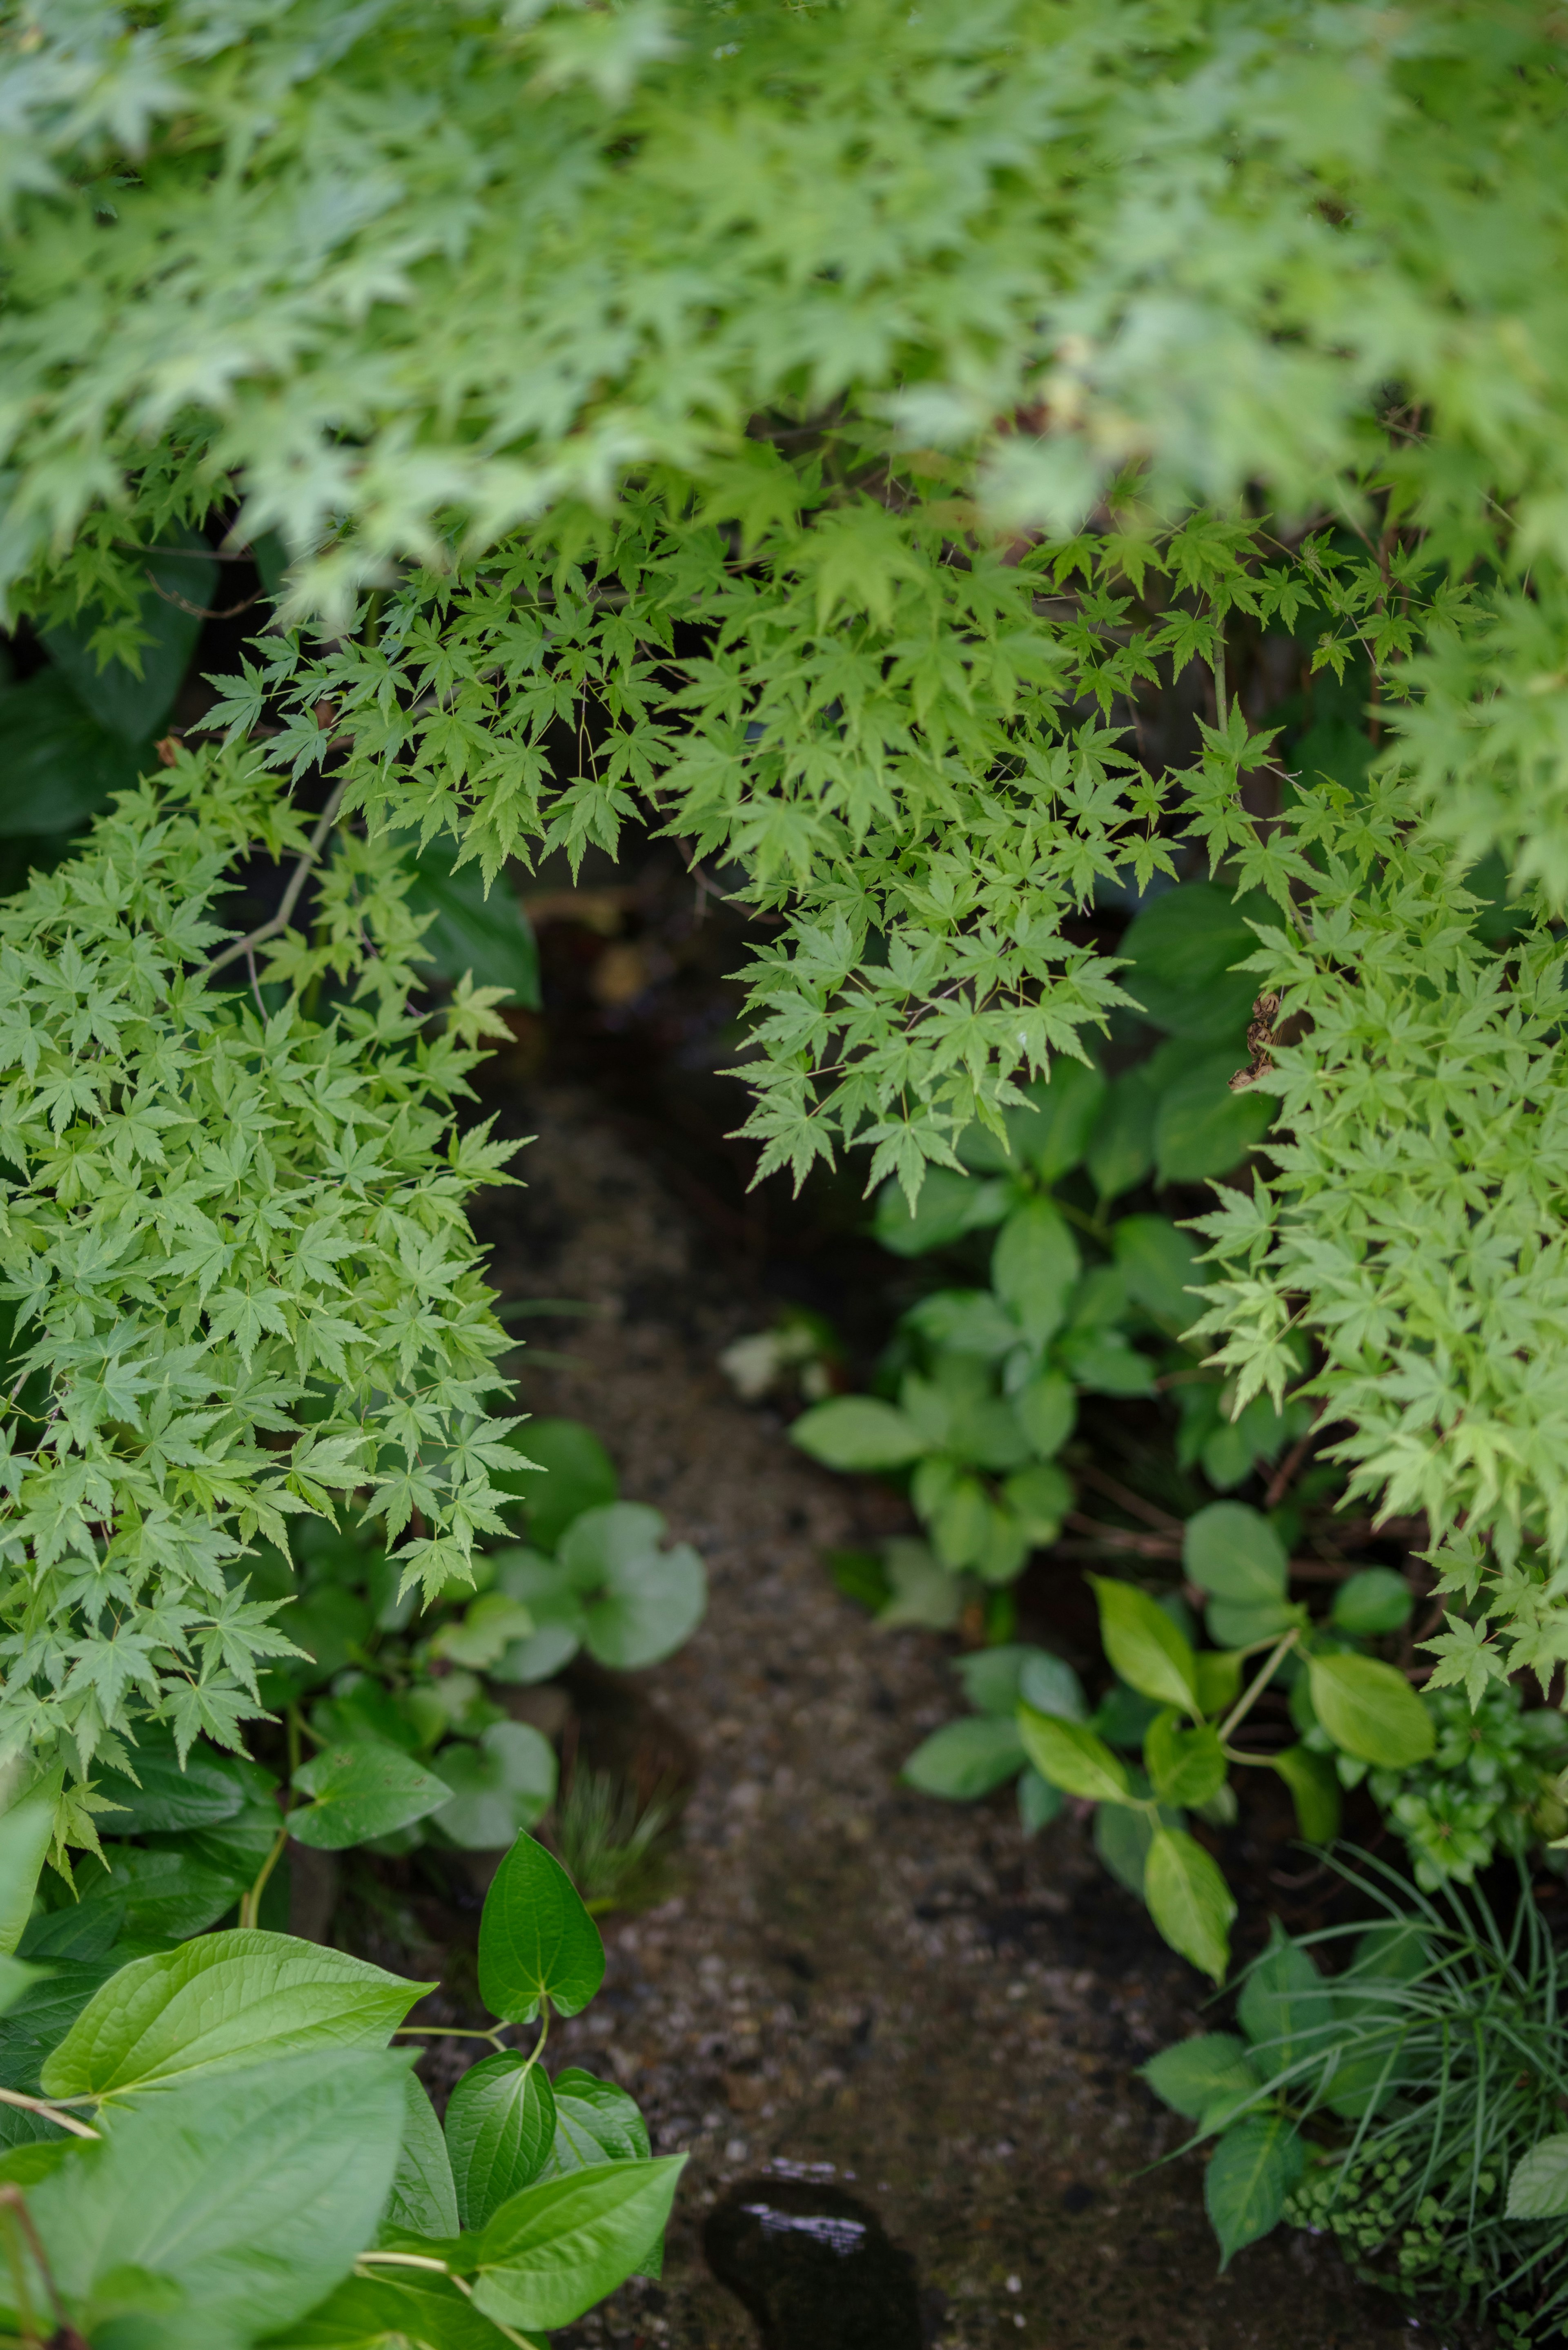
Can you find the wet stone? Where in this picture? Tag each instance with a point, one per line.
(815, 2267)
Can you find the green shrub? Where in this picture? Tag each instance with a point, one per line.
(211, 2146)
(1411, 2104)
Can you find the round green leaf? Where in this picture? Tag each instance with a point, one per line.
(1373, 1602)
(573, 1473)
(503, 1784)
(536, 1941)
(1189, 1900)
(1234, 1553)
(1073, 1758)
(1143, 1644)
(1370, 1711)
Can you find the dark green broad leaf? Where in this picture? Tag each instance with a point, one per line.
(1051, 1133)
(1181, 951)
(1034, 1267)
(574, 1474)
(968, 1758)
(1285, 2007)
(40, 2019)
(1203, 2078)
(1370, 1711)
(164, 1893)
(220, 2004)
(500, 2129)
(485, 933)
(1201, 1127)
(59, 764)
(1252, 2170)
(166, 1798)
(562, 2244)
(501, 1784)
(390, 2311)
(362, 1789)
(424, 2197)
(1160, 1267)
(132, 703)
(639, 1601)
(223, 2211)
(1374, 1602)
(1121, 1148)
(858, 1432)
(536, 1941)
(948, 1206)
(1234, 1554)
(234, 1848)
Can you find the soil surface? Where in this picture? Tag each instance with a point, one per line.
(851, 1983)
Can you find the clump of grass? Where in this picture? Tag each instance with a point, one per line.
(1437, 2059)
(615, 1844)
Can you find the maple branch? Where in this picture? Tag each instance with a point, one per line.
(297, 882)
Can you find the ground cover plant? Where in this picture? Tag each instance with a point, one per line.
(211, 2142)
(1409, 2099)
(908, 457)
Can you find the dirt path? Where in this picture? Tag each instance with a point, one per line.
(851, 1976)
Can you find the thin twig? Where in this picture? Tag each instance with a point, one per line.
(1284, 1476)
(297, 878)
(66, 2335)
(50, 2113)
(204, 611)
(1152, 1515)
(1121, 1538)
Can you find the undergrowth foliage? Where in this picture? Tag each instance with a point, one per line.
(241, 1273)
(828, 431)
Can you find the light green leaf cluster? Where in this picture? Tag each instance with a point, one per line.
(236, 1250)
(802, 414)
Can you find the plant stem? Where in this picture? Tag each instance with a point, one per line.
(66, 2336)
(51, 2113)
(297, 882)
(250, 1903)
(1258, 1684)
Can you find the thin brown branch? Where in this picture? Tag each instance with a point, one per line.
(297, 882)
(66, 2336)
(1152, 1515)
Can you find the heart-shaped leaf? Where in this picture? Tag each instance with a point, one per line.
(362, 1789)
(536, 1941)
(500, 2129)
